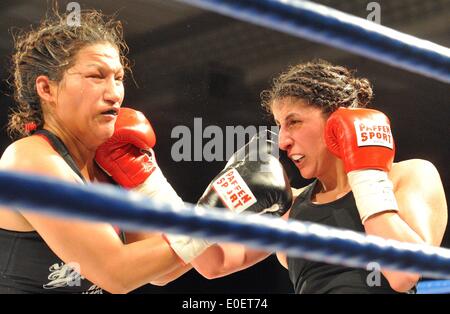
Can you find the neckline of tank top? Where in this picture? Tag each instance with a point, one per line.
(17, 231)
(310, 191)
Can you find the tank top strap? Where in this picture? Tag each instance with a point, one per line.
(61, 149)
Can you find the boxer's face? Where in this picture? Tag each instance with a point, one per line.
(301, 136)
(88, 90)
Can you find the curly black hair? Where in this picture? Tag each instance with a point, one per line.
(321, 84)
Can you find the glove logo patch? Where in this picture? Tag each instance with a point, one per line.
(373, 133)
(233, 191)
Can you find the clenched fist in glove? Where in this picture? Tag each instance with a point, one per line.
(129, 159)
(253, 181)
(362, 138)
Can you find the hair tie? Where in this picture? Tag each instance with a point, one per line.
(30, 127)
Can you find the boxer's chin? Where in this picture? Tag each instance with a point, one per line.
(104, 132)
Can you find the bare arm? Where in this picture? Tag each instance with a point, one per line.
(102, 257)
(421, 218)
(226, 258)
(168, 277)
(165, 279)
(217, 261)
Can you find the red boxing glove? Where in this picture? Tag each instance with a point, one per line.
(129, 159)
(127, 155)
(362, 138)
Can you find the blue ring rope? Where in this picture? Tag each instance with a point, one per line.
(341, 30)
(134, 211)
(433, 287)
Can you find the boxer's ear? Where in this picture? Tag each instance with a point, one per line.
(46, 89)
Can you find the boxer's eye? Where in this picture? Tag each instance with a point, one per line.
(293, 122)
(98, 76)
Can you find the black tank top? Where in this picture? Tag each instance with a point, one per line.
(28, 265)
(315, 277)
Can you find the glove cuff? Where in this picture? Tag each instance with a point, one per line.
(158, 189)
(185, 247)
(373, 192)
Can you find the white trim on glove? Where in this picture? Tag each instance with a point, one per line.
(187, 248)
(373, 192)
(159, 189)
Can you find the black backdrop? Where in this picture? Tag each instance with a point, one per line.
(191, 63)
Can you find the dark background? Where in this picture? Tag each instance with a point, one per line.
(192, 63)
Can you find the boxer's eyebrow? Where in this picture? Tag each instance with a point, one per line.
(101, 67)
(290, 116)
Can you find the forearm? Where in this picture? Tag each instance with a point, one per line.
(223, 259)
(165, 279)
(134, 236)
(390, 225)
(140, 263)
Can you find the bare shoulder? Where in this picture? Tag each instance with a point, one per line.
(24, 151)
(33, 154)
(421, 198)
(418, 177)
(414, 164)
(414, 172)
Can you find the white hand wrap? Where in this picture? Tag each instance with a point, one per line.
(187, 248)
(373, 192)
(159, 190)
